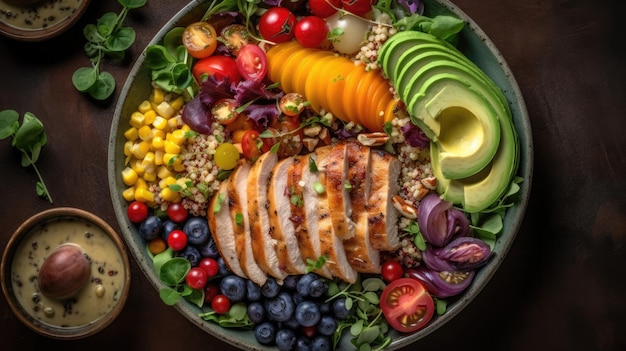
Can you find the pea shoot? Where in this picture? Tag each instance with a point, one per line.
(108, 37)
(28, 138)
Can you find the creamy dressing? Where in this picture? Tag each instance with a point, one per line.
(38, 16)
(98, 297)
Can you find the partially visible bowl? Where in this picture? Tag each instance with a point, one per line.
(95, 304)
(39, 20)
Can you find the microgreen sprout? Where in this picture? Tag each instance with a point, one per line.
(108, 37)
(28, 138)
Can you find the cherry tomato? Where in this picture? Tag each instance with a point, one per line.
(226, 156)
(241, 123)
(406, 305)
(391, 270)
(220, 304)
(288, 134)
(177, 240)
(137, 211)
(357, 7)
(292, 104)
(221, 67)
(235, 36)
(252, 63)
(196, 278)
(200, 39)
(276, 24)
(324, 8)
(177, 212)
(311, 31)
(250, 145)
(210, 266)
(210, 291)
(225, 110)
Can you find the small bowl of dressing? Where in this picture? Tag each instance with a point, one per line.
(38, 20)
(65, 273)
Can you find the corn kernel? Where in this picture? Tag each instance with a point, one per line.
(141, 149)
(137, 119)
(150, 117)
(141, 184)
(173, 123)
(163, 172)
(169, 181)
(171, 147)
(131, 134)
(150, 176)
(157, 143)
(157, 96)
(144, 195)
(165, 110)
(178, 136)
(185, 128)
(136, 165)
(148, 162)
(169, 159)
(178, 165)
(170, 195)
(177, 103)
(128, 148)
(145, 106)
(129, 176)
(145, 133)
(158, 157)
(129, 194)
(160, 123)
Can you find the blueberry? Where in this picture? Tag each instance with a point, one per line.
(253, 292)
(168, 226)
(285, 339)
(290, 282)
(297, 298)
(280, 308)
(197, 230)
(327, 325)
(223, 267)
(317, 288)
(151, 227)
(291, 323)
(303, 344)
(304, 282)
(233, 287)
(265, 333)
(209, 249)
(308, 313)
(340, 310)
(256, 312)
(270, 288)
(191, 254)
(325, 307)
(320, 343)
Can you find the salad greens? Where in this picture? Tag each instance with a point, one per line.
(28, 138)
(108, 37)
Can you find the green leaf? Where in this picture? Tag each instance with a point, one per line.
(196, 297)
(104, 86)
(158, 58)
(121, 40)
(357, 327)
(29, 133)
(84, 78)
(173, 271)
(169, 296)
(9, 123)
(91, 34)
(106, 24)
(173, 40)
(373, 284)
(368, 335)
(132, 4)
(160, 259)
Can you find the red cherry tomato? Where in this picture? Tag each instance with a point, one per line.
(392, 270)
(196, 278)
(177, 212)
(137, 211)
(225, 110)
(252, 62)
(311, 31)
(406, 305)
(210, 266)
(220, 304)
(177, 240)
(324, 8)
(210, 291)
(200, 39)
(250, 145)
(221, 67)
(276, 24)
(357, 7)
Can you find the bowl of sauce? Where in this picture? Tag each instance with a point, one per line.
(65, 273)
(37, 20)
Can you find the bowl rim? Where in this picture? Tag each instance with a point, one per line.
(16, 240)
(42, 34)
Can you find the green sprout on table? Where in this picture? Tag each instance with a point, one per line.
(28, 138)
(108, 37)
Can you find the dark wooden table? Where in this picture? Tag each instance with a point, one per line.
(563, 284)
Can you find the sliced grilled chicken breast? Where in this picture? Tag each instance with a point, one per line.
(331, 245)
(264, 245)
(359, 251)
(241, 225)
(337, 187)
(222, 229)
(282, 228)
(382, 215)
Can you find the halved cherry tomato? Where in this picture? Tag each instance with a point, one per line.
(250, 145)
(220, 66)
(252, 63)
(276, 24)
(292, 104)
(406, 305)
(235, 36)
(225, 110)
(200, 39)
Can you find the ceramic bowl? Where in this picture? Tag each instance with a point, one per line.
(473, 42)
(39, 20)
(96, 304)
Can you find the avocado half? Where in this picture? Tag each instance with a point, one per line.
(474, 147)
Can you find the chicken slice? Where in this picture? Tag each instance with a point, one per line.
(382, 215)
(337, 187)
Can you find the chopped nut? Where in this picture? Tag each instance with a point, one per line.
(310, 143)
(373, 139)
(312, 131)
(421, 193)
(430, 183)
(404, 207)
